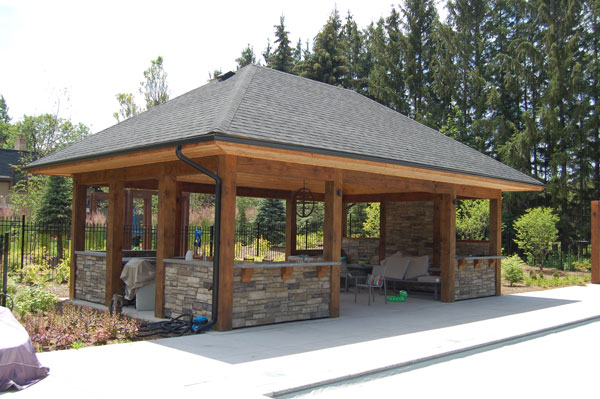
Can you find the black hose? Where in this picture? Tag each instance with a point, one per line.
(217, 179)
(175, 327)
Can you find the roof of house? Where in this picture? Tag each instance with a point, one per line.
(262, 106)
(8, 158)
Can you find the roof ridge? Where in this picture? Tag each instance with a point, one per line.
(223, 122)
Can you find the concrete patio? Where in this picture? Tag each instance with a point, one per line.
(267, 360)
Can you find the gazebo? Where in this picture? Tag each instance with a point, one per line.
(264, 133)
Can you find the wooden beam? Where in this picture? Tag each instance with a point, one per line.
(203, 188)
(448, 243)
(284, 169)
(165, 235)
(389, 197)
(359, 165)
(437, 232)
(77, 230)
(595, 242)
(146, 172)
(151, 184)
(290, 226)
(226, 167)
(332, 236)
(114, 239)
(496, 239)
(382, 233)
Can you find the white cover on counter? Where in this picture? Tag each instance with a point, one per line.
(136, 274)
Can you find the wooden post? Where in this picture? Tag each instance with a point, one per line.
(332, 236)
(114, 239)
(437, 232)
(185, 222)
(595, 242)
(496, 238)
(147, 221)
(448, 245)
(165, 236)
(227, 170)
(77, 230)
(290, 226)
(382, 220)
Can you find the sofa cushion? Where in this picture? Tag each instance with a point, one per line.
(417, 267)
(396, 267)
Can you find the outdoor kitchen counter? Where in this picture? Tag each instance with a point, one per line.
(263, 292)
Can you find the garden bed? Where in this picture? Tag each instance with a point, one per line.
(553, 279)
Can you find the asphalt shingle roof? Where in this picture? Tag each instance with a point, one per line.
(272, 108)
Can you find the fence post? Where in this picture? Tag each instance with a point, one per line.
(22, 241)
(4, 250)
(212, 235)
(306, 235)
(257, 239)
(350, 226)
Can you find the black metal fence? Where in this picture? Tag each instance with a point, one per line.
(34, 243)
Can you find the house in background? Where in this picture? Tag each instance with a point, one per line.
(8, 174)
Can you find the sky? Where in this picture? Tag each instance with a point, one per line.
(73, 57)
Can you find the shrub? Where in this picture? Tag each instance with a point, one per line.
(511, 267)
(583, 265)
(62, 273)
(32, 300)
(536, 232)
(472, 219)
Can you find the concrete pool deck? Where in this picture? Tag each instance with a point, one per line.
(274, 359)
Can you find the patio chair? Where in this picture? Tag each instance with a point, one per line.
(374, 280)
(346, 275)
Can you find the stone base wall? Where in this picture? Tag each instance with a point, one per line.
(267, 299)
(187, 289)
(472, 248)
(90, 278)
(475, 283)
(409, 228)
(361, 249)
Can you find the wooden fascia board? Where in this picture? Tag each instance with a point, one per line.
(329, 161)
(127, 160)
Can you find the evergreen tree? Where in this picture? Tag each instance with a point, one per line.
(5, 126)
(246, 58)
(420, 21)
(359, 67)
(327, 63)
(55, 208)
(470, 19)
(269, 219)
(282, 58)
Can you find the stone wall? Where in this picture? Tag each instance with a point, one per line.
(187, 286)
(475, 283)
(472, 247)
(361, 249)
(267, 299)
(409, 228)
(90, 277)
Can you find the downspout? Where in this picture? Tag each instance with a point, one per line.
(217, 179)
